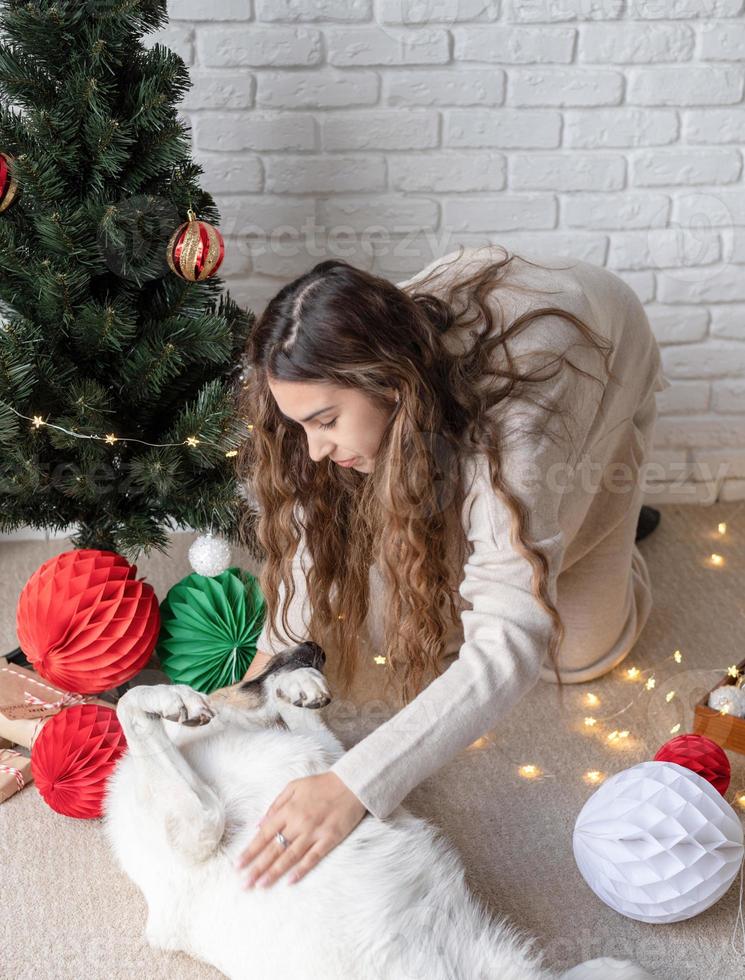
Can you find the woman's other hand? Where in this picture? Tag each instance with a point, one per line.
(259, 662)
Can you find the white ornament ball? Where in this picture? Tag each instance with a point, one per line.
(658, 843)
(209, 555)
(730, 697)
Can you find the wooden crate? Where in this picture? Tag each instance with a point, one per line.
(726, 730)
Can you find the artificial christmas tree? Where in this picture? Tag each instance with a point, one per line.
(118, 375)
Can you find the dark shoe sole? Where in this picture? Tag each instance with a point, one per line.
(649, 518)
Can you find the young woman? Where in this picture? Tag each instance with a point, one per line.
(450, 465)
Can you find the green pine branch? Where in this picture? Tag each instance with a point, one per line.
(100, 343)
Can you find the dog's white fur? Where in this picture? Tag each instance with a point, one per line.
(390, 902)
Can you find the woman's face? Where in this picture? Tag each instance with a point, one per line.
(345, 423)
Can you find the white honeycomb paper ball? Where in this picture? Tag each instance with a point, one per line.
(658, 843)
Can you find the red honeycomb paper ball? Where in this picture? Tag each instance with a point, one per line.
(699, 754)
(73, 756)
(85, 622)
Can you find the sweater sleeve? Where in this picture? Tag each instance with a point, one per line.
(506, 632)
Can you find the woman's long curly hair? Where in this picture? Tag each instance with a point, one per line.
(342, 326)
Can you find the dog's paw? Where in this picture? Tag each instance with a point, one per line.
(305, 687)
(193, 709)
(176, 702)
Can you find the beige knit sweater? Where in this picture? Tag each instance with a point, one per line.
(498, 649)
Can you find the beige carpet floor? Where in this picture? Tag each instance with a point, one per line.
(67, 912)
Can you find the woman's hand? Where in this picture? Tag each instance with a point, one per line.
(315, 813)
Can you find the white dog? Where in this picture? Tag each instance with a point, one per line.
(390, 902)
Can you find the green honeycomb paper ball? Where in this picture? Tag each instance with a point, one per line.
(209, 628)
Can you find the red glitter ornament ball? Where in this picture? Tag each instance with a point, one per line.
(85, 622)
(195, 250)
(8, 186)
(699, 754)
(74, 755)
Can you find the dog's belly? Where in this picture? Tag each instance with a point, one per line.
(388, 903)
(201, 909)
(296, 931)
(373, 909)
(331, 924)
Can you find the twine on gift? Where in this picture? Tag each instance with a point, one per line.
(7, 754)
(67, 699)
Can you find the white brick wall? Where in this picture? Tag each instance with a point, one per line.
(387, 132)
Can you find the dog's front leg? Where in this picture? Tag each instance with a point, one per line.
(193, 816)
(297, 695)
(289, 690)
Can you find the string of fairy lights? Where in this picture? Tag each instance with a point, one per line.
(37, 422)
(616, 736)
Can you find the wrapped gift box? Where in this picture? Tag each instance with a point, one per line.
(27, 700)
(726, 730)
(15, 772)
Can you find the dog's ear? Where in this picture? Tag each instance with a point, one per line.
(308, 654)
